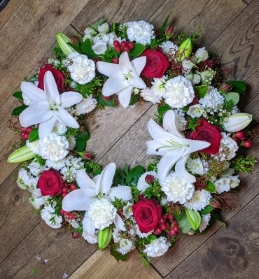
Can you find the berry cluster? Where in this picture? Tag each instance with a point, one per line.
(25, 132)
(123, 46)
(240, 138)
(167, 224)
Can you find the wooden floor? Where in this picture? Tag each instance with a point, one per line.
(27, 33)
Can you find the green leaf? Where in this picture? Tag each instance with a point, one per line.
(183, 223)
(201, 90)
(133, 100)
(76, 48)
(163, 109)
(164, 26)
(34, 135)
(81, 140)
(32, 271)
(207, 210)
(136, 51)
(134, 175)
(107, 103)
(232, 96)
(17, 111)
(117, 255)
(86, 47)
(119, 177)
(238, 86)
(217, 216)
(210, 187)
(18, 95)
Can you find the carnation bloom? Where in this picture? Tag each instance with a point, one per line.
(178, 92)
(49, 106)
(82, 69)
(204, 222)
(199, 200)
(176, 189)
(140, 32)
(86, 105)
(90, 198)
(157, 248)
(123, 77)
(172, 146)
(51, 219)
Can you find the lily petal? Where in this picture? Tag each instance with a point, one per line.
(120, 192)
(124, 96)
(166, 163)
(114, 84)
(46, 127)
(51, 88)
(33, 92)
(104, 182)
(88, 226)
(35, 114)
(153, 148)
(65, 117)
(125, 64)
(139, 64)
(107, 69)
(70, 98)
(169, 123)
(84, 181)
(182, 172)
(79, 199)
(195, 145)
(119, 223)
(136, 81)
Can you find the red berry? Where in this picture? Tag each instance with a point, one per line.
(126, 48)
(26, 136)
(243, 138)
(167, 225)
(165, 216)
(176, 229)
(175, 223)
(130, 45)
(63, 195)
(71, 216)
(65, 213)
(117, 49)
(163, 226)
(240, 134)
(172, 233)
(162, 220)
(157, 231)
(124, 44)
(62, 211)
(115, 60)
(23, 129)
(72, 187)
(116, 43)
(248, 144)
(64, 189)
(28, 129)
(170, 216)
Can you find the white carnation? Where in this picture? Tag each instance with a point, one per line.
(101, 213)
(148, 95)
(140, 32)
(86, 105)
(179, 92)
(204, 222)
(199, 200)
(176, 189)
(227, 149)
(57, 165)
(82, 69)
(53, 147)
(35, 168)
(157, 248)
(142, 184)
(213, 99)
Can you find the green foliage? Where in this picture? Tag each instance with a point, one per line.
(210, 187)
(34, 135)
(92, 168)
(207, 210)
(117, 255)
(238, 86)
(118, 203)
(18, 95)
(154, 191)
(18, 110)
(183, 36)
(201, 90)
(217, 216)
(106, 103)
(81, 140)
(193, 123)
(86, 47)
(136, 51)
(120, 30)
(232, 96)
(134, 175)
(90, 88)
(59, 54)
(183, 223)
(244, 164)
(120, 176)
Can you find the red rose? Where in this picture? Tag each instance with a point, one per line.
(50, 183)
(207, 132)
(156, 64)
(147, 214)
(58, 76)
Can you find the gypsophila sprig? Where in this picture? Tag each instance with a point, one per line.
(194, 141)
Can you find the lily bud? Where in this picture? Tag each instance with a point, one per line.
(194, 218)
(62, 40)
(237, 122)
(184, 50)
(21, 155)
(104, 237)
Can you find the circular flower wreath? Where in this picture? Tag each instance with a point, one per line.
(196, 136)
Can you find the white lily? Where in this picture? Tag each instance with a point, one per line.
(174, 148)
(93, 190)
(123, 77)
(49, 106)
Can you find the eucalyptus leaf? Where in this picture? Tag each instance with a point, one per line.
(232, 96)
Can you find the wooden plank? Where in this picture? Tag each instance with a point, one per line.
(230, 253)
(132, 268)
(31, 30)
(8, 11)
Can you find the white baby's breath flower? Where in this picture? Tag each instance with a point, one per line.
(180, 121)
(176, 189)
(142, 184)
(206, 76)
(148, 95)
(86, 105)
(25, 180)
(101, 213)
(227, 149)
(53, 147)
(51, 219)
(140, 32)
(195, 111)
(204, 222)
(213, 99)
(82, 69)
(199, 200)
(157, 248)
(125, 246)
(35, 168)
(179, 92)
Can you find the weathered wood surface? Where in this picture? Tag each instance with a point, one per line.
(27, 33)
